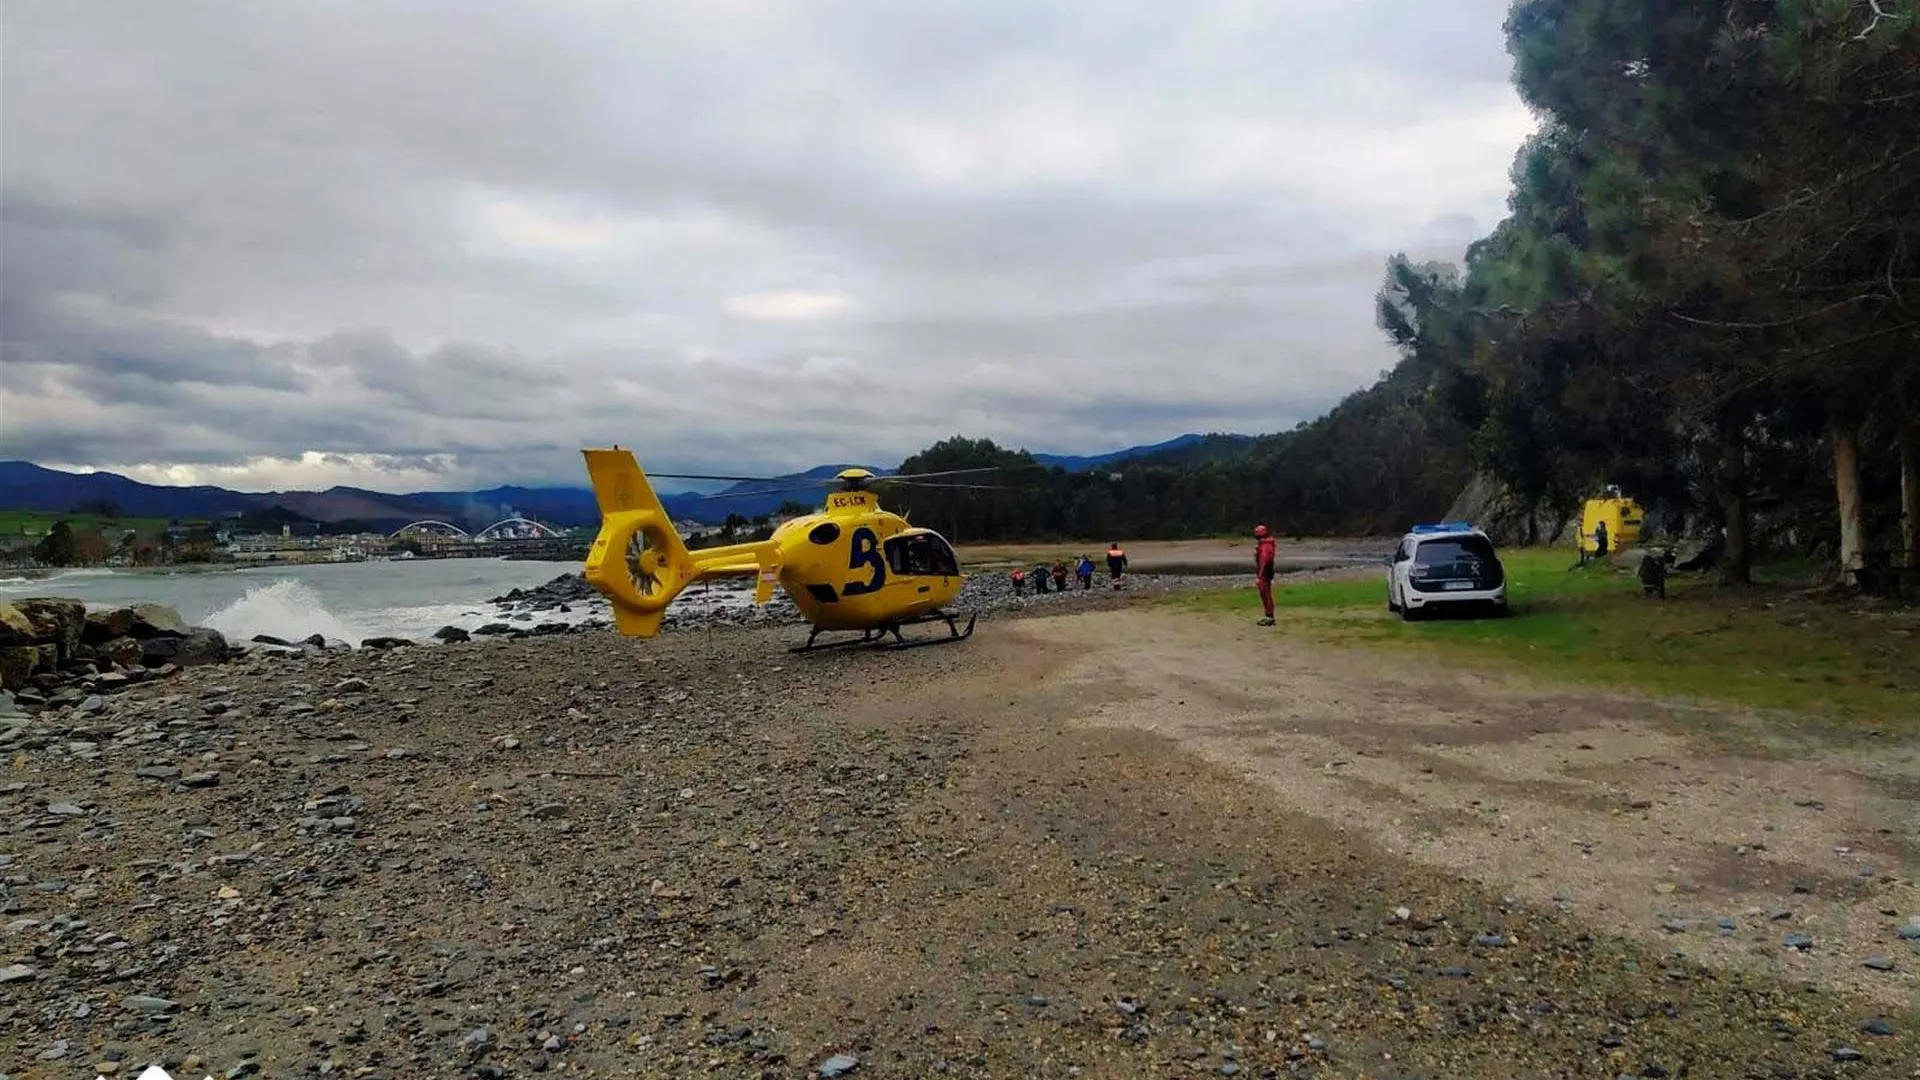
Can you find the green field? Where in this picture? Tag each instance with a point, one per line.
(1783, 644)
(37, 522)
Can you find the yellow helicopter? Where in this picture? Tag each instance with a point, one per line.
(852, 567)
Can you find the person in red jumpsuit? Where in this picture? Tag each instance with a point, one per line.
(1263, 570)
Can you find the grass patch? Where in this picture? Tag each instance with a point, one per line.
(36, 523)
(1778, 645)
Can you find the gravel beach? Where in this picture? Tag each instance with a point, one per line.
(702, 855)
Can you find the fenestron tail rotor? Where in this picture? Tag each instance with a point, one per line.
(643, 564)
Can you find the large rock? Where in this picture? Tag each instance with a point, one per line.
(18, 663)
(15, 627)
(200, 645)
(1506, 518)
(140, 621)
(57, 621)
(121, 651)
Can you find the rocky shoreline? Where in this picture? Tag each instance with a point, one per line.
(728, 603)
(54, 653)
(57, 655)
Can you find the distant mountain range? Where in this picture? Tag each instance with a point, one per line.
(1073, 463)
(26, 486)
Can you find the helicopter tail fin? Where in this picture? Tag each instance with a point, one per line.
(639, 586)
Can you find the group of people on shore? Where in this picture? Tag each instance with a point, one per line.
(1053, 577)
(1043, 575)
(1045, 578)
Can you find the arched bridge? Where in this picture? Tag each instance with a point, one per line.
(429, 528)
(513, 528)
(516, 528)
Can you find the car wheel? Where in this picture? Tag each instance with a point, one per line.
(1391, 606)
(1410, 614)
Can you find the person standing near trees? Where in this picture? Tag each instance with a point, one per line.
(1116, 562)
(1263, 570)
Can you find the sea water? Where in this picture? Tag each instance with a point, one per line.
(408, 598)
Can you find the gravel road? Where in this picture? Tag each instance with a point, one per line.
(701, 855)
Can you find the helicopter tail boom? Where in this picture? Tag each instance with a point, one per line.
(641, 586)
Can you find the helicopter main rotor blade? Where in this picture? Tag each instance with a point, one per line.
(956, 487)
(960, 472)
(707, 476)
(751, 494)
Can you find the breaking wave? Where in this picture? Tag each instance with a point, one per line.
(286, 609)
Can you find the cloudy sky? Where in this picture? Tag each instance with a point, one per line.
(431, 244)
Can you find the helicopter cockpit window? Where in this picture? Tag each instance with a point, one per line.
(921, 555)
(941, 556)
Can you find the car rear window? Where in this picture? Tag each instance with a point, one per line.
(1466, 552)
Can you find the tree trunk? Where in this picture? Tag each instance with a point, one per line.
(1846, 487)
(1910, 489)
(1736, 559)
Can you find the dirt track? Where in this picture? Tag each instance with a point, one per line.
(1610, 807)
(1107, 844)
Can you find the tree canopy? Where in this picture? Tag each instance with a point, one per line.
(1706, 291)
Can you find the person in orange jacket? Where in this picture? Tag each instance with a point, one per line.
(1263, 570)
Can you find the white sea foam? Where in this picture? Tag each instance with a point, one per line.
(286, 609)
(39, 585)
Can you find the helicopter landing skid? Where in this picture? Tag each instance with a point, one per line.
(877, 638)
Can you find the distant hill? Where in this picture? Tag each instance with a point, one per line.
(26, 486)
(1180, 447)
(556, 505)
(752, 498)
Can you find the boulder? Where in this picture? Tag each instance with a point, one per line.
(19, 663)
(141, 621)
(156, 620)
(16, 663)
(200, 645)
(15, 627)
(121, 651)
(56, 620)
(451, 634)
(1508, 519)
(385, 643)
(107, 624)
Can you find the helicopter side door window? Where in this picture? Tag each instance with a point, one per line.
(907, 555)
(897, 555)
(921, 556)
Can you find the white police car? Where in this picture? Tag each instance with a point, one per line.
(1452, 565)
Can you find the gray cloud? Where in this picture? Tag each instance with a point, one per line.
(282, 245)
